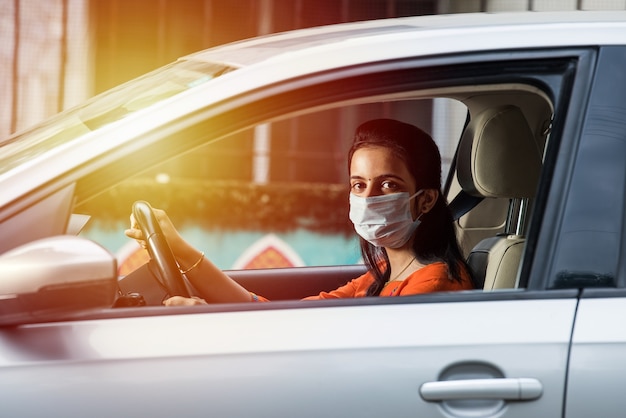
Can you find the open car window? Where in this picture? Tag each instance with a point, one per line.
(268, 203)
(272, 196)
(268, 200)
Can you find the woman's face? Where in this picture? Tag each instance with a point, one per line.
(375, 171)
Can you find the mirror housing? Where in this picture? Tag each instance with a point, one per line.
(52, 277)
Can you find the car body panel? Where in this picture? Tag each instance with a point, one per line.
(323, 361)
(598, 351)
(481, 32)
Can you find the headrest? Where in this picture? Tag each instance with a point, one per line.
(498, 155)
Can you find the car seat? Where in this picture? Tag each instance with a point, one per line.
(498, 157)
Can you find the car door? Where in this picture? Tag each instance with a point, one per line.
(464, 354)
(426, 356)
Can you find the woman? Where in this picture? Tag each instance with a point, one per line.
(408, 240)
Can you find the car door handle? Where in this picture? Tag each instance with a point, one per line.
(519, 389)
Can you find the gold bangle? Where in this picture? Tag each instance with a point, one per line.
(193, 266)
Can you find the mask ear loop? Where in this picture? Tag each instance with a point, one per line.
(417, 193)
(413, 196)
(418, 220)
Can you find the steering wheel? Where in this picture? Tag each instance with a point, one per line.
(159, 250)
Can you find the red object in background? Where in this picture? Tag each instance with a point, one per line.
(270, 257)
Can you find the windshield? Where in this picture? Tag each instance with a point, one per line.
(105, 108)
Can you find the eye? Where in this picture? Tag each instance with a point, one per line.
(357, 187)
(390, 185)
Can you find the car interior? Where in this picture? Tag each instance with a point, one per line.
(499, 158)
(491, 186)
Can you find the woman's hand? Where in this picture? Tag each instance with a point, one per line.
(170, 233)
(134, 232)
(181, 301)
(208, 280)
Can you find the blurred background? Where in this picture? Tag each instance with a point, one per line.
(55, 54)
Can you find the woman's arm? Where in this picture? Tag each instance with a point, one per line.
(213, 285)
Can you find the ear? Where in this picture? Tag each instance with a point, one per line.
(427, 200)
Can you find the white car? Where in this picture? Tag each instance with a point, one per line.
(536, 179)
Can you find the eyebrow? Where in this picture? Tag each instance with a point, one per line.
(382, 176)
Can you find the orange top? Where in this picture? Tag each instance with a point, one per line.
(430, 278)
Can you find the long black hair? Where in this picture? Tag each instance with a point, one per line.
(435, 239)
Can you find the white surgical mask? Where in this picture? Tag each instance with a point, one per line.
(385, 220)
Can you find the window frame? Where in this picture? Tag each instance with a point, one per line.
(533, 67)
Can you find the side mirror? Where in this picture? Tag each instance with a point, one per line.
(53, 277)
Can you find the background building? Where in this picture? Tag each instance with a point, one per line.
(56, 53)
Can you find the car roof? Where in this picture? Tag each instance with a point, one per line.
(441, 34)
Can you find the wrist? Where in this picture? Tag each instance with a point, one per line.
(187, 256)
(185, 270)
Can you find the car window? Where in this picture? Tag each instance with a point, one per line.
(274, 195)
(263, 187)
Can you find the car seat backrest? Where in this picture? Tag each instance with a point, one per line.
(498, 155)
(498, 158)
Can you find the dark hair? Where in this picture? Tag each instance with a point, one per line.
(435, 239)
